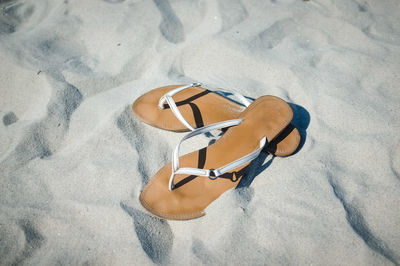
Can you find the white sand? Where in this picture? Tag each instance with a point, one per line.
(73, 158)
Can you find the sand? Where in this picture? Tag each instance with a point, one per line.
(73, 158)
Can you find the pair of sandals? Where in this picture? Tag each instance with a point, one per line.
(182, 189)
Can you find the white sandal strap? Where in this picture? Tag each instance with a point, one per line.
(175, 91)
(207, 172)
(175, 110)
(241, 98)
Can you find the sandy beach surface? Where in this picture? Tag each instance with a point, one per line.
(73, 157)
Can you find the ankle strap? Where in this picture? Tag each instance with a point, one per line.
(175, 110)
(211, 172)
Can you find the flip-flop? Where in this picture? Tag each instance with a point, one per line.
(193, 106)
(180, 191)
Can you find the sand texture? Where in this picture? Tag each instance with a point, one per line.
(73, 158)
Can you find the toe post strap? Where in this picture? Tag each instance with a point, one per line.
(163, 99)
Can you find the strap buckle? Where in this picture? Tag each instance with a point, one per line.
(211, 172)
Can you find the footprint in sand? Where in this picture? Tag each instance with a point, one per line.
(171, 27)
(357, 221)
(154, 234)
(9, 118)
(203, 253)
(19, 242)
